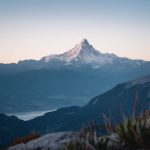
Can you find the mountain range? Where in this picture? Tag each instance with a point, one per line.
(83, 54)
(116, 102)
(71, 78)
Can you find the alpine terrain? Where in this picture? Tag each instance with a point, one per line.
(71, 78)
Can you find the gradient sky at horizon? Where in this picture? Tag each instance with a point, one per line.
(31, 29)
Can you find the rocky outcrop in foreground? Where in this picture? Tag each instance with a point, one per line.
(54, 141)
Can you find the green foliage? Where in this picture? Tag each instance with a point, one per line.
(134, 133)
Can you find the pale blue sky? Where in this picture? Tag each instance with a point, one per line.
(35, 28)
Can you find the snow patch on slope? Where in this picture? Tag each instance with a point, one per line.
(96, 100)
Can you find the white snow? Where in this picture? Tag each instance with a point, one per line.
(84, 53)
(96, 100)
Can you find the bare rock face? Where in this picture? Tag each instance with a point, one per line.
(54, 141)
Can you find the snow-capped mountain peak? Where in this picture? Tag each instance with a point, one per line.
(83, 54)
(84, 43)
(80, 50)
(83, 51)
(84, 46)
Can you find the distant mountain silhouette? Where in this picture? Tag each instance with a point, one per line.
(83, 54)
(71, 78)
(118, 99)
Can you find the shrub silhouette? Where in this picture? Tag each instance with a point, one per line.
(26, 138)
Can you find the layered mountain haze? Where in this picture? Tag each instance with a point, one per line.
(93, 94)
(83, 54)
(70, 80)
(118, 99)
(59, 80)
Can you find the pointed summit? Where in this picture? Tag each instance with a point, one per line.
(85, 42)
(83, 46)
(82, 53)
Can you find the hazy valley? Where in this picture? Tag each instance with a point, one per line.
(71, 78)
(66, 91)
